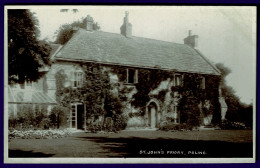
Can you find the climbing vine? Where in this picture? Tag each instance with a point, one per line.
(148, 81)
(192, 95)
(95, 93)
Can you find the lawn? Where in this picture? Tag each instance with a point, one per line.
(204, 143)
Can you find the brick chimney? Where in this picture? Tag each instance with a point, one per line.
(191, 40)
(126, 28)
(89, 23)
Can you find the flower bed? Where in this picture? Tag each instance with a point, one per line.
(38, 134)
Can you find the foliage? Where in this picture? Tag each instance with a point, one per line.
(58, 116)
(192, 95)
(26, 54)
(95, 127)
(120, 122)
(177, 127)
(237, 111)
(95, 94)
(66, 31)
(148, 81)
(95, 88)
(28, 118)
(230, 125)
(161, 95)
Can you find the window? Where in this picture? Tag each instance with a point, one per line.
(77, 79)
(175, 113)
(202, 83)
(132, 76)
(177, 80)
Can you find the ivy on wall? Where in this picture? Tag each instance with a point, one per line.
(192, 95)
(148, 81)
(95, 92)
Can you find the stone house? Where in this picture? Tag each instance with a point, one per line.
(131, 55)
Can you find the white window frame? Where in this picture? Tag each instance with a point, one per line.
(180, 80)
(77, 78)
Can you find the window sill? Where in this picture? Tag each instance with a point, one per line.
(130, 84)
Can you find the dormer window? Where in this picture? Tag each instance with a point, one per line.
(177, 80)
(77, 79)
(132, 76)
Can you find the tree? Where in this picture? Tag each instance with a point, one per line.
(65, 31)
(237, 111)
(26, 54)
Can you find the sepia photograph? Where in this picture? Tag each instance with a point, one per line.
(130, 84)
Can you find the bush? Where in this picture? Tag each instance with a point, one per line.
(58, 116)
(95, 127)
(28, 117)
(176, 127)
(230, 125)
(45, 123)
(120, 122)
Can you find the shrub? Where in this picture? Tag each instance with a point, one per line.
(45, 123)
(28, 116)
(120, 122)
(94, 127)
(177, 127)
(230, 125)
(58, 116)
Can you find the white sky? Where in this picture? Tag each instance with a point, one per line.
(226, 34)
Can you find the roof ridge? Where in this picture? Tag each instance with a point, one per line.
(147, 38)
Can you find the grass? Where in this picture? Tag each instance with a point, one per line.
(214, 143)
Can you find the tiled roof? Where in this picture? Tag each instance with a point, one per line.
(116, 49)
(54, 48)
(22, 96)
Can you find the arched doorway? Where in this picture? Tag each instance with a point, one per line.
(152, 109)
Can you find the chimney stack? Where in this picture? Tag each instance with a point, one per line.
(89, 23)
(191, 40)
(126, 28)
